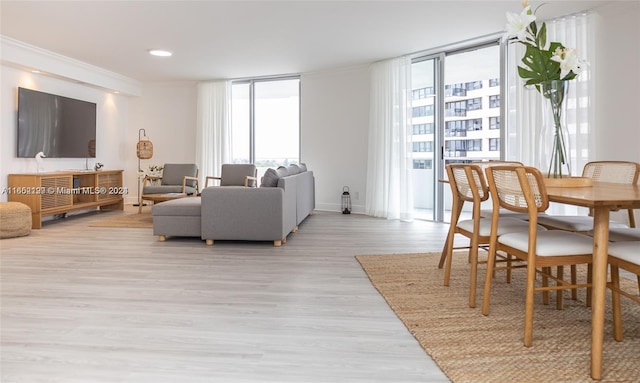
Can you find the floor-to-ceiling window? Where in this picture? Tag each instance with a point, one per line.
(456, 118)
(266, 122)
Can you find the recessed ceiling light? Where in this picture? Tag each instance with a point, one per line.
(160, 52)
(35, 71)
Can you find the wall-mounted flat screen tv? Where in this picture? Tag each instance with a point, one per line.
(58, 126)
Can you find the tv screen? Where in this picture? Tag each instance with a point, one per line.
(58, 126)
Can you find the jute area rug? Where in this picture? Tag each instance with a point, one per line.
(135, 220)
(470, 347)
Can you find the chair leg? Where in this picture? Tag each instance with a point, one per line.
(509, 266)
(449, 255)
(528, 306)
(589, 277)
(545, 282)
(473, 279)
(559, 292)
(615, 304)
(491, 262)
(574, 281)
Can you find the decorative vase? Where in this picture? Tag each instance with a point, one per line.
(554, 137)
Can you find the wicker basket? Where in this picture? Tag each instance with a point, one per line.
(144, 149)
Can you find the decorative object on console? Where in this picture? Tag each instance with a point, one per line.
(144, 151)
(40, 162)
(548, 67)
(98, 166)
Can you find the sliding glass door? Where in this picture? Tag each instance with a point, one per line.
(456, 119)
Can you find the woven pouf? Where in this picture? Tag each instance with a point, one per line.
(15, 219)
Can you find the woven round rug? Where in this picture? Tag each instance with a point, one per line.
(471, 347)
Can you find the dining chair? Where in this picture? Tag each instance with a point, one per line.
(468, 185)
(622, 172)
(622, 255)
(521, 189)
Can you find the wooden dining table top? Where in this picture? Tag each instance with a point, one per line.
(599, 194)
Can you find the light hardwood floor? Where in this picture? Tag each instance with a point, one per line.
(88, 304)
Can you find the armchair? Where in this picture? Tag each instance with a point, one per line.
(175, 179)
(236, 175)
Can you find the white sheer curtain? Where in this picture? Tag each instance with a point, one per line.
(389, 190)
(213, 136)
(524, 106)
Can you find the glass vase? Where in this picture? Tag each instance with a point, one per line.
(554, 136)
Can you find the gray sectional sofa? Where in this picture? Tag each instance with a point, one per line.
(266, 213)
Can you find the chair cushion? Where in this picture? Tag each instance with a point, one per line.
(621, 234)
(505, 225)
(173, 174)
(162, 189)
(627, 251)
(488, 213)
(551, 242)
(580, 223)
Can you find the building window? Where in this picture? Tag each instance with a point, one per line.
(423, 111)
(423, 146)
(494, 101)
(423, 128)
(494, 144)
(494, 82)
(423, 164)
(494, 123)
(456, 109)
(473, 85)
(474, 104)
(421, 93)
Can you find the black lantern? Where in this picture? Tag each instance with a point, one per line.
(346, 201)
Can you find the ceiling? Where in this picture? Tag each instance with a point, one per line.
(237, 39)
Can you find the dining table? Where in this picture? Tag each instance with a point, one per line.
(601, 198)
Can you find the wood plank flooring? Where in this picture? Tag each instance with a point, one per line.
(91, 304)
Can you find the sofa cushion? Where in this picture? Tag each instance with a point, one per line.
(293, 169)
(189, 206)
(270, 178)
(282, 171)
(303, 167)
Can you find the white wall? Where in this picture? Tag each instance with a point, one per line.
(618, 82)
(335, 116)
(167, 113)
(111, 125)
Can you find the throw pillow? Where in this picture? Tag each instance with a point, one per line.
(282, 171)
(303, 167)
(270, 178)
(293, 169)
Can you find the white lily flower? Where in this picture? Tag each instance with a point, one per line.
(568, 60)
(517, 24)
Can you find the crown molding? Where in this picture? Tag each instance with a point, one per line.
(28, 57)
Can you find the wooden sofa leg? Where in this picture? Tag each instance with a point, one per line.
(295, 229)
(162, 238)
(277, 243)
(209, 242)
